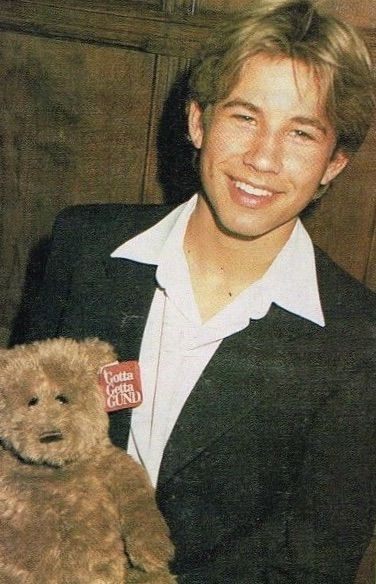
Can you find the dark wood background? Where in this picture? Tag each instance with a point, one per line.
(91, 95)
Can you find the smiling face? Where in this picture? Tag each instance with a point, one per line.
(265, 149)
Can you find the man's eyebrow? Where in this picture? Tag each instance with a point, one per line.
(304, 120)
(241, 103)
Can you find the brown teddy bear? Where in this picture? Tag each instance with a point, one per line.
(74, 509)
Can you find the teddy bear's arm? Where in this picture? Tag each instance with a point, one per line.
(144, 530)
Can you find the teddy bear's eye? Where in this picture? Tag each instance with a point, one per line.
(62, 399)
(33, 401)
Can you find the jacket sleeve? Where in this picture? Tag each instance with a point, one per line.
(334, 507)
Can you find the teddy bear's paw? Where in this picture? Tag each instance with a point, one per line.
(150, 554)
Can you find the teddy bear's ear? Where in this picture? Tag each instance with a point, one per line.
(98, 352)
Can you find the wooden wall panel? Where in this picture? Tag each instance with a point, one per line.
(81, 111)
(73, 129)
(371, 265)
(115, 24)
(179, 6)
(343, 222)
(361, 13)
(220, 6)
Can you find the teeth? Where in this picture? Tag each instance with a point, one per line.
(252, 190)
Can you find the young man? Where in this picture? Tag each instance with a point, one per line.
(257, 353)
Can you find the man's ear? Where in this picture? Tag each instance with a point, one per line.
(336, 165)
(195, 124)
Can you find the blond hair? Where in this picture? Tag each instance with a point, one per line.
(295, 29)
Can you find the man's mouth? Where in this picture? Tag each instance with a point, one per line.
(254, 191)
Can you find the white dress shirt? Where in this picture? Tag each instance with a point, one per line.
(177, 346)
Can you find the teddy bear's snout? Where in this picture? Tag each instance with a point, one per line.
(47, 437)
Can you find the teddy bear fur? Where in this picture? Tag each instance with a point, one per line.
(74, 509)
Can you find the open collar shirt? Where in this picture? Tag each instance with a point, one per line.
(177, 345)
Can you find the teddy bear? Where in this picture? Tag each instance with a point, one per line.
(74, 509)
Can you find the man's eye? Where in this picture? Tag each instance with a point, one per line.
(244, 118)
(302, 135)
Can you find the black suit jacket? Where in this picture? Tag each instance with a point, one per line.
(269, 476)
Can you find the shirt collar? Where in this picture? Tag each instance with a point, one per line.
(292, 271)
(291, 280)
(150, 246)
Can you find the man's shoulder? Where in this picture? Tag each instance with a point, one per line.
(342, 295)
(102, 214)
(110, 223)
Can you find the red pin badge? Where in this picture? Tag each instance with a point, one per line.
(121, 385)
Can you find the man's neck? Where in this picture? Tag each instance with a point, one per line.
(221, 265)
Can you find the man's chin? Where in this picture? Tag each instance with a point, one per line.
(242, 233)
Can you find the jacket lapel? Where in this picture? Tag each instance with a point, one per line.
(131, 287)
(131, 290)
(247, 369)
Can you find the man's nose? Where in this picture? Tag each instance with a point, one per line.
(264, 153)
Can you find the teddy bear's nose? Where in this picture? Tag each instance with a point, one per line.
(47, 437)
